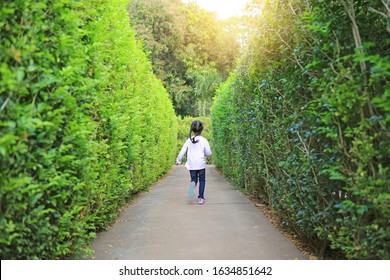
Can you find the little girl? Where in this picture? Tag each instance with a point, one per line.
(197, 149)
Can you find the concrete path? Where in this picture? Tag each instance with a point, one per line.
(164, 224)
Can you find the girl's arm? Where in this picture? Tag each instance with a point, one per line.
(182, 152)
(207, 149)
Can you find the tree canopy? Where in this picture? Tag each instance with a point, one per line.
(191, 51)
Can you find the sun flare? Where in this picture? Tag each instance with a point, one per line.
(223, 8)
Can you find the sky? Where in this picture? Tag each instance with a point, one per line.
(223, 8)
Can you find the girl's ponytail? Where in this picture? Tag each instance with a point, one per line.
(197, 128)
(192, 138)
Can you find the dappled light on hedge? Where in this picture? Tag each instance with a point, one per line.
(303, 123)
(84, 124)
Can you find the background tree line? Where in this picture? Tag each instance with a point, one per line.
(303, 122)
(191, 51)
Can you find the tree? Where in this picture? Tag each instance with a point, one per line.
(184, 42)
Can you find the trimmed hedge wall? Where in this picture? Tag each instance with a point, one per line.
(303, 123)
(84, 124)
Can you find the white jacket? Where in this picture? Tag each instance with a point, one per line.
(196, 153)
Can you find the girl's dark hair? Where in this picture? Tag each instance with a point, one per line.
(197, 128)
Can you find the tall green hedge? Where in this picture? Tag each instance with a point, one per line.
(304, 123)
(84, 124)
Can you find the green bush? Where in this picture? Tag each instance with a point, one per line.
(84, 124)
(303, 123)
(136, 128)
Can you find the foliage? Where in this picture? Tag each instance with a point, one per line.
(304, 122)
(205, 82)
(187, 47)
(84, 124)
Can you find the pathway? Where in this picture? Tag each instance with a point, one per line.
(164, 224)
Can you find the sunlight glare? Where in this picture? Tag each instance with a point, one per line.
(223, 8)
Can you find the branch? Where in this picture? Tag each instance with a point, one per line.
(356, 35)
(291, 7)
(377, 12)
(386, 16)
(281, 38)
(5, 103)
(387, 5)
(296, 59)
